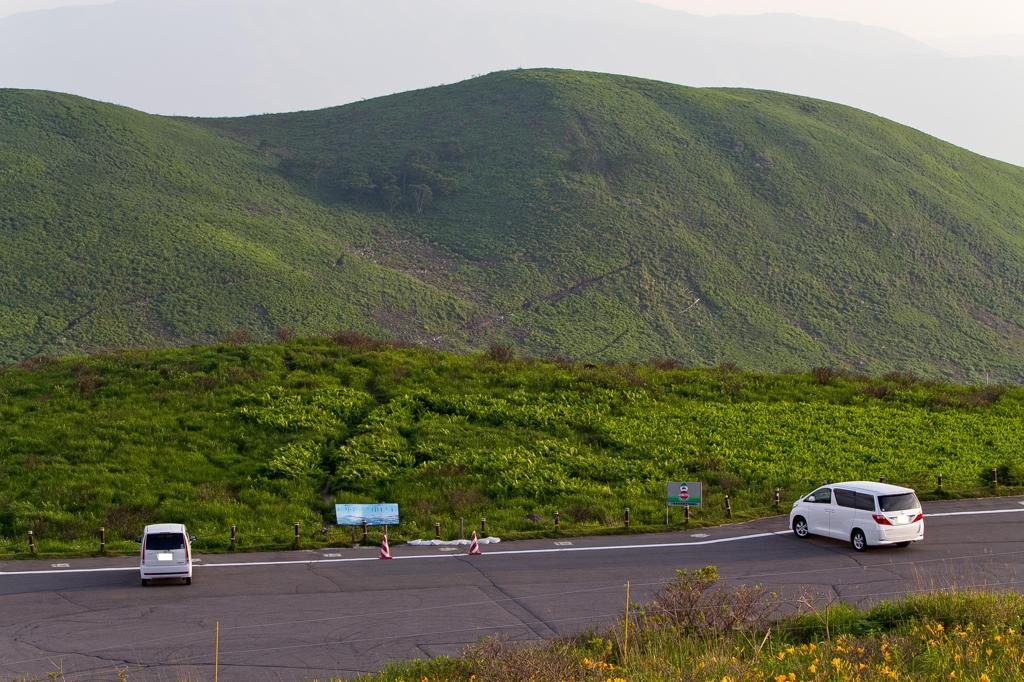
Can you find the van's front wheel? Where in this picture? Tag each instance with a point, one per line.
(800, 528)
(857, 539)
(145, 582)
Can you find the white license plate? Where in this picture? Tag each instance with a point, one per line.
(165, 556)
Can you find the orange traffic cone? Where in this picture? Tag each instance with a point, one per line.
(474, 545)
(385, 551)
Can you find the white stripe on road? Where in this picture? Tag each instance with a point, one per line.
(983, 511)
(598, 548)
(307, 562)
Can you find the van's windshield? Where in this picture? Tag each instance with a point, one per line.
(161, 542)
(901, 502)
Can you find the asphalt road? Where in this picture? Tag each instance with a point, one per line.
(303, 615)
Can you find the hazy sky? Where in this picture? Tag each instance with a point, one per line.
(965, 27)
(8, 7)
(918, 18)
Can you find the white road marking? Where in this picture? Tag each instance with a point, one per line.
(601, 548)
(74, 570)
(61, 565)
(973, 513)
(331, 556)
(563, 543)
(699, 535)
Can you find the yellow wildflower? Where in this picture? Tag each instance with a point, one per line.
(781, 678)
(984, 678)
(812, 668)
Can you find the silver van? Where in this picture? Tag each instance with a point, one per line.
(860, 512)
(166, 553)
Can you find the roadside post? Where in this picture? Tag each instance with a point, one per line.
(103, 540)
(685, 494)
(295, 542)
(32, 543)
(234, 536)
(626, 517)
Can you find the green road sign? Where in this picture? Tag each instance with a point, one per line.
(683, 494)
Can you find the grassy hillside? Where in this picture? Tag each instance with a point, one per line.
(567, 214)
(122, 229)
(265, 436)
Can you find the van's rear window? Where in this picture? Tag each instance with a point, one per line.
(901, 502)
(156, 542)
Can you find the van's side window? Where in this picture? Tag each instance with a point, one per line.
(865, 502)
(846, 498)
(821, 496)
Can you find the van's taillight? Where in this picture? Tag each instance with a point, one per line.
(919, 517)
(881, 520)
(188, 552)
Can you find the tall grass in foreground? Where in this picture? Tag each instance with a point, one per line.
(693, 630)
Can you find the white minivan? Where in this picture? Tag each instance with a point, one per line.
(166, 553)
(861, 512)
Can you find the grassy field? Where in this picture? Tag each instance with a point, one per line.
(565, 214)
(263, 436)
(693, 632)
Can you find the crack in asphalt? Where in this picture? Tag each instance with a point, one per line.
(538, 620)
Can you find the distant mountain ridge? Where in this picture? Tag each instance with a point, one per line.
(236, 57)
(562, 213)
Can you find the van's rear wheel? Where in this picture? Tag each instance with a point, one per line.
(857, 539)
(188, 581)
(800, 528)
(903, 544)
(145, 582)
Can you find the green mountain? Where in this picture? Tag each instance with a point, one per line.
(562, 213)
